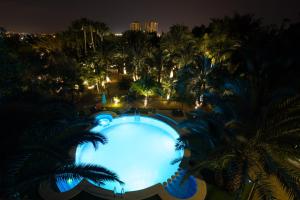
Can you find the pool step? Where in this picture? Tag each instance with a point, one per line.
(182, 189)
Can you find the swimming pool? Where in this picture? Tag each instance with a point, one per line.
(139, 150)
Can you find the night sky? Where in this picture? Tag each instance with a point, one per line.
(55, 15)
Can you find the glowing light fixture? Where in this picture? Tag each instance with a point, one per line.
(116, 100)
(104, 122)
(69, 181)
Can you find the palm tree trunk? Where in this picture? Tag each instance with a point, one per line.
(85, 46)
(146, 101)
(136, 69)
(92, 39)
(159, 72)
(97, 86)
(77, 47)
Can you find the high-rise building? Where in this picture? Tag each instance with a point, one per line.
(151, 26)
(135, 26)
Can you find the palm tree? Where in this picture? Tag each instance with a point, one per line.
(178, 46)
(136, 46)
(84, 26)
(84, 34)
(101, 30)
(241, 144)
(46, 155)
(218, 47)
(158, 62)
(178, 50)
(94, 68)
(194, 80)
(92, 30)
(146, 86)
(121, 55)
(73, 39)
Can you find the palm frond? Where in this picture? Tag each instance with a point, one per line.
(180, 144)
(86, 137)
(284, 112)
(176, 160)
(263, 188)
(288, 140)
(289, 178)
(285, 104)
(95, 173)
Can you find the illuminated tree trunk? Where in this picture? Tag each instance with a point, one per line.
(161, 68)
(92, 38)
(136, 70)
(169, 95)
(97, 86)
(146, 101)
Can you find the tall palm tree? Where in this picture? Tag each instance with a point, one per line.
(193, 80)
(121, 55)
(101, 30)
(92, 30)
(75, 37)
(178, 45)
(136, 46)
(177, 48)
(82, 25)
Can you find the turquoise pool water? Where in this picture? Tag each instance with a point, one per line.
(139, 149)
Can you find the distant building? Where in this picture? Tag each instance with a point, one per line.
(118, 34)
(135, 26)
(151, 26)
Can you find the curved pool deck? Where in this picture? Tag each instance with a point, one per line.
(140, 150)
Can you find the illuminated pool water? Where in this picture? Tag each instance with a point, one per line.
(139, 150)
